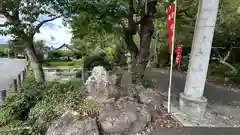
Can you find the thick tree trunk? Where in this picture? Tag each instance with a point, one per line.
(140, 56)
(130, 31)
(35, 63)
(146, 32)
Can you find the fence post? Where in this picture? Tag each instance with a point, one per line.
(3, 94)
(83, 76)
(19, 81)
(23, 73)
(14, 85)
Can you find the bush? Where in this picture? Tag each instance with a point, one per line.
(119, 56)
(79, 74)
(96, 60)
(32, 111)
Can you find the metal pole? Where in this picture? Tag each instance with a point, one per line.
(171, 68)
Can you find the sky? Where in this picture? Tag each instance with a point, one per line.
(55, 29)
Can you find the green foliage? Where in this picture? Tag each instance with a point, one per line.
(96, 60)
(100, 16)
(61, 63)
(119, 56)
(16, 46)
(57, 54)
(29, 11)
(38, 105)
(94, 43)
(3, 51)
(79, 74)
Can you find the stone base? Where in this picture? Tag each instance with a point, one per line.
(193, 107)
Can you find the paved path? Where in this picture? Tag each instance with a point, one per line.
(223, 107)
(198, 131)
(213, 93)
(9, 69)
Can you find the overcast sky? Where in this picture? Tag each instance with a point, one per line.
(55, 29)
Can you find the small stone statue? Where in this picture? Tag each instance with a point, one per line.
(127, 77)
(129, 61)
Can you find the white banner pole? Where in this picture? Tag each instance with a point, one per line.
(171, 67)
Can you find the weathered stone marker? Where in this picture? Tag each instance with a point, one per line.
(100, 85)
(192, 101)
(126, 80)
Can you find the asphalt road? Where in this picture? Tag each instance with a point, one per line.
(9, 69)
(214, 94)
(198, 131)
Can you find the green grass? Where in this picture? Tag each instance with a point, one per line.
(61, 63)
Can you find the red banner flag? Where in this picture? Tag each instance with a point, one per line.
(170, 12)
(178, 54)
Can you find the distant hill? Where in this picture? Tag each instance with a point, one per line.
(3, 44)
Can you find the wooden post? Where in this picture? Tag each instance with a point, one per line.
(3, 94)
(19, 81)
(24, 75)
(83, 79)
(14, 85)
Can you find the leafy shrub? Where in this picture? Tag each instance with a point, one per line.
(96, 60)
(79, 74)
(33, 110)
(119, 56)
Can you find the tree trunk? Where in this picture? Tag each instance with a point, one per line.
(35, 63)
(228, 65)
(130, 31)
(146, 32)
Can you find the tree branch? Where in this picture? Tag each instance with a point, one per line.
(228, 55)
(45, 21)
(219, 55)
(4, 25)
(7, 15)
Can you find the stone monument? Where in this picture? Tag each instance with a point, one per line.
(100, 85)
(127, 77)
(192, 101)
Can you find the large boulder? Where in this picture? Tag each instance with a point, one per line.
(125, 116)
(69, 124)
(100, 85)
(152, 99)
